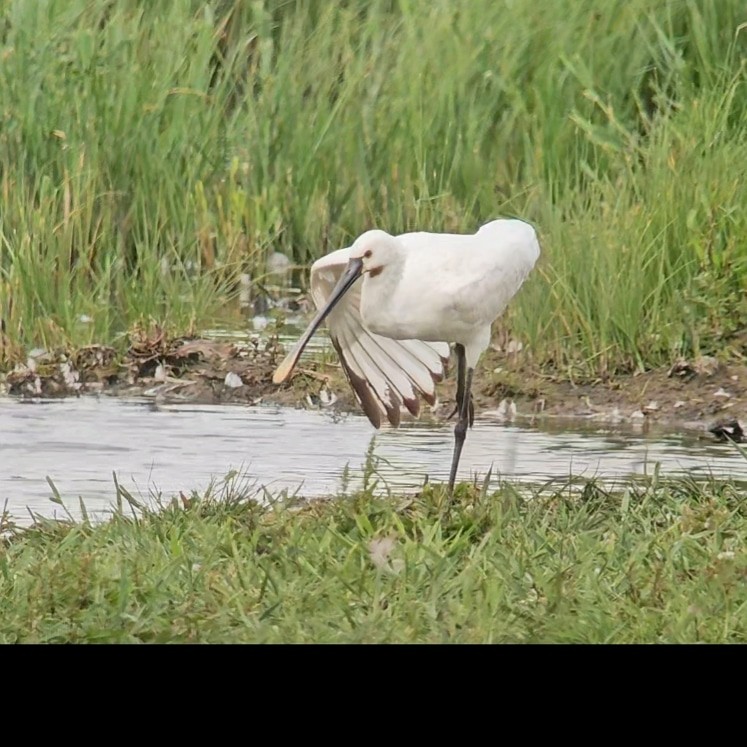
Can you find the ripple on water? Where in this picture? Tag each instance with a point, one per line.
(78, 443)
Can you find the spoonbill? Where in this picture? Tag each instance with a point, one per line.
(393, 305)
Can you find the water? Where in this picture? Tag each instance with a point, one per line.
(160, 448)
(287, 336)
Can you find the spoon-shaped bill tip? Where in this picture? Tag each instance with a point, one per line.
(284, 370)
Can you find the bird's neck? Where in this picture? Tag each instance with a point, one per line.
(379, 294)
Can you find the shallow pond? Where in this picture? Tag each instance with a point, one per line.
(163, 449)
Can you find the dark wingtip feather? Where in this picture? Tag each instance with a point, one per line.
(361, 389)
(439, 377)
(412, 405)
(429, 398)
(392, 408)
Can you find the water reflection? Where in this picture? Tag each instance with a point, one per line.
(165, 449)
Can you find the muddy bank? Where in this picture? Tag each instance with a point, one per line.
(692, 394)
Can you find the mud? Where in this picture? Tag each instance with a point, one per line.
(690, 395)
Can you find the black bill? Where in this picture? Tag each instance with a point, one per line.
(351, 274)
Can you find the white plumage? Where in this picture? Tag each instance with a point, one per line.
(394, 303)
(386, 374)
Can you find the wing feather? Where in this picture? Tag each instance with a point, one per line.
(386, 375)
(357, 359)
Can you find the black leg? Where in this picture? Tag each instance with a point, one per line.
(461, 368)
(466, 414)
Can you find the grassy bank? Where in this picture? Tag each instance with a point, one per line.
(152, 152)
(662, 562)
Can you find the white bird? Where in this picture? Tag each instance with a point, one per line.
(394, 303)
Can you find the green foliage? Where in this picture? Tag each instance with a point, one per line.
(150, 152)
(662, 561)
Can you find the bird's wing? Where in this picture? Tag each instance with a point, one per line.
(385, 374)
(477, 274)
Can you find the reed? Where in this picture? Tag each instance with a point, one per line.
(152, 152)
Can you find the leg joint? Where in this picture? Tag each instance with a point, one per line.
(460, 430)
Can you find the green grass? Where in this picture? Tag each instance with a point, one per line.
(660, 562)
(150, 152)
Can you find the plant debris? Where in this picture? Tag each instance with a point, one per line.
(688, 395)
(728, 430)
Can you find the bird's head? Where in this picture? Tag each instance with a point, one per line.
(375, 249)
(372, 252)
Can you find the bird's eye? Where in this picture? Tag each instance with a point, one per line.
(367, 253)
